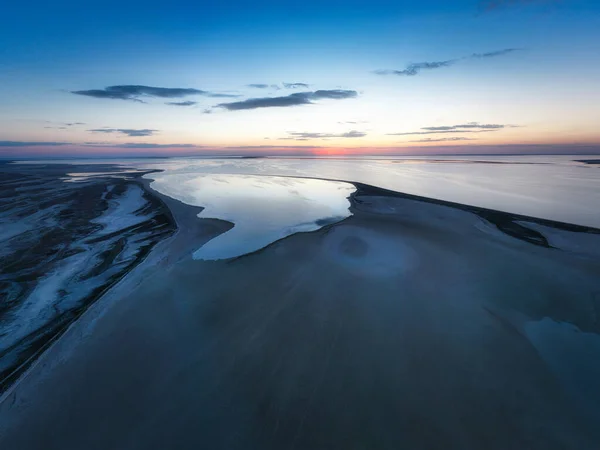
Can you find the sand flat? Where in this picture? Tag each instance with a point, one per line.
(407, 325)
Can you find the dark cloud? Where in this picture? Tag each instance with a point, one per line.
(136, 92)
(188, 103)
(267, 102)
(416, 68)
(299, 98)
(451, 139)
(29, 144)
(56, 128)
(334, 94)
(471, 127)
(126, 131)
(296, 85)
(304, 136)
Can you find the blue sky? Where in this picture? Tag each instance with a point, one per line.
(339, 77)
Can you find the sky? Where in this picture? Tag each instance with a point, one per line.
(326, 77)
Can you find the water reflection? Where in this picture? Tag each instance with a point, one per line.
(549, 187)
(263, 209)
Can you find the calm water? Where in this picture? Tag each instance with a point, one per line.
(262, 209)
(267, 198)
(549, 187)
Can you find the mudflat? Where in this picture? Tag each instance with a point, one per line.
(411, 324)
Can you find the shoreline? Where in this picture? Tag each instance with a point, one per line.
(328, 315)
(186, 236)
(39, 344)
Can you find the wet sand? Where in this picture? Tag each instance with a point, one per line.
(411, 324)
(64, 240)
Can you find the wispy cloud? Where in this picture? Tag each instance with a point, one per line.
(126, 131)
(137, 145)
(471, 127)
(301, 136)
(137, 92)
(505, 51)
(451, 139)
(62, 125)
(296, 99)
(468, 126)
(437, 132)
(263, 86)
(296, 85)
(148, 145)
(187, 103)
(276, 86)
(352, 122)
(30, 143)
(416, 68)
(268, 147)
(220, 95)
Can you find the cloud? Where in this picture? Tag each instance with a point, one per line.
(137, 145)
(296, 85)
(187, 103)
(416, 68)
(217, 95)
(305, 136)
(299, 98)
(493, 54)
(126, 131)
(147, 145)
(263, 86)
(438, 132)
(352, 122)
(29, 144)
(451, 139)
(274, 86)
(267, 147)
(471, 127)
(62, 125)
(134, 92)
(334, 94)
